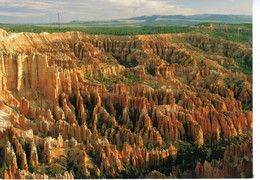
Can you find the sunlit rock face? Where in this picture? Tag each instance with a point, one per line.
(75, 105)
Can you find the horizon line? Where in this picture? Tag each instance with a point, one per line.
(125, 18)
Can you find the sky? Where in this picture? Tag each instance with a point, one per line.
(45, 11)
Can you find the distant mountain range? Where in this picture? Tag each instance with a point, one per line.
(199, 17)
(156, 20)
(167, 20)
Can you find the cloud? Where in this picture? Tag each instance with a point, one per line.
(33, 11)
(154, 5)
(129, 3)
(17, 14)
(151, 4)
(25, 4)
(132, 8)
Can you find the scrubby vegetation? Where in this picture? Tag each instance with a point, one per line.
(98, 30)
(232, 32)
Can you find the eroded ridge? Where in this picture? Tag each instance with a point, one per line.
(75, 105)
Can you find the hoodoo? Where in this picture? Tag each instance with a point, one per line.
(75, 105)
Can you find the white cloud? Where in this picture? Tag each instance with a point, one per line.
(143, 4)
(23, 14)
(26, 4)
(86, 10)
(129, 3)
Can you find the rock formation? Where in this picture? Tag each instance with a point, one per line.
(96, 106)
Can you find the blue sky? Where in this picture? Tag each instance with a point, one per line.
(37, 11)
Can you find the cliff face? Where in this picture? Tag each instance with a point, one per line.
(119, 101)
